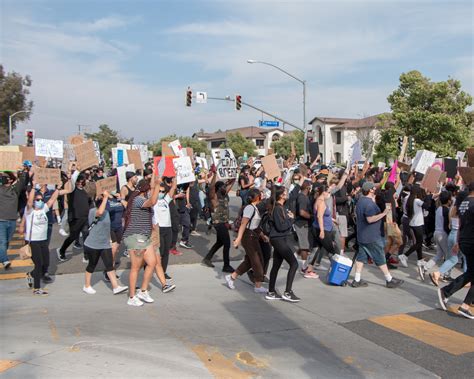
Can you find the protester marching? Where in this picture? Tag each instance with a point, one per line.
(295, 214)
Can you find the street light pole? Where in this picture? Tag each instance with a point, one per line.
(303, 82)
(10, 124)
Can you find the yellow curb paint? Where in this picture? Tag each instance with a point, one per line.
(13, 252)
(431, 334)
(6, 365)
(14, 275)
(22, 263)
(54, 330)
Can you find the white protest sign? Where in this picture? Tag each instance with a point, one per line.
(49, 148)
(177, 148)
(225, 162)
(202, 162)
(97, 151)
(201, 97)
(184, 170)
(460, 155)
(121, 174)
(119, 156)
(124, 146)
(356, 154)
(144, 155)
(423, 159)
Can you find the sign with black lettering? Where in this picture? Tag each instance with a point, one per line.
(225, 162)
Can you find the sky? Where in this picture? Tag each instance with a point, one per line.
(128, 63)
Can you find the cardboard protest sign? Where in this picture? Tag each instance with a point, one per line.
(11, 160)
(470, 156)
(467, 174)
(423, 160)
(10, 148)
(270, 166)
(108, 184)
(393, 172)
(97, 151)
(144, 153)
(189, 152)
(225, 162)
(85, 155)
(28, 153)
(121, 171)
(431, 179)
(451, 167)
(76, 140)
(438, 163)
(443, 177)
(403, 151)
(49, 148)
(293, 150)
(356, 155)
(166, 151)
(313, 150)
(184, 170)
(404, 167)
(47, 175)
(135, 159)
(177, 148)
(163, 166)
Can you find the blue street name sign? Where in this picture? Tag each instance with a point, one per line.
(273, 124)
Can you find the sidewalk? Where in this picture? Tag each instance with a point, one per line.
(203, 329)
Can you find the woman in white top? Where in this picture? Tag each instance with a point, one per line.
(249, 235)
(36, 234)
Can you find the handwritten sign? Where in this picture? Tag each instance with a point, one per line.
(202, 162)
(11, 160)
(184, 170)
(47, 175)
(163, 166)
(270, 166)
(135, 158)
(423, 159)
(121, 171)
(85, 155)
(225, 162)
(108, 184)
(177, 148)
(49, 148)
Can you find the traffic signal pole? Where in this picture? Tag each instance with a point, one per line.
(10, 129)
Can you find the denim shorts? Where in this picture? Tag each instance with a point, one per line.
(372, 250)
(137, 242)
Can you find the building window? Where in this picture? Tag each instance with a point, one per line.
(260, 143)
(217, 144)
(275, 137)
(320, 136)
(338, 138)
(338, 157)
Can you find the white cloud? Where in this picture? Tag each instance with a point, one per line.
(101, 24)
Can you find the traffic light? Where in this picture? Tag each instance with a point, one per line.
(238, 102)
(30, 137)
(411, 143)
(400, 143)
(189, 97)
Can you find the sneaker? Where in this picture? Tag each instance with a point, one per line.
(434, 277)
(126, 254)
(145, 296)
(185, 244)
(443, 300)
(40, 292)
(106, 277)
(167, 277)
(230, 282)
(176, 252)
(120, 289)
(135, 301)
(29, 280)
(63, 232)
(47, 278)
(77, 246)
(194, 233)
(61, 258)
(85, 260)
(168, 288)
(207, 262)
(421, 272)
(310, 275)
(447, 279)
(361, 283)
(273, 296)
(402, 258)
(266, 280)
(7, 265)
(89, 290)
(260, 290)
(394, 283)
(291, 297)
(228, 269)
(466, 313)
(391, 266)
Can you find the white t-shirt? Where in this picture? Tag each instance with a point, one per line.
(418, 217)
(161, 212)
(251, 212)
(40, 224)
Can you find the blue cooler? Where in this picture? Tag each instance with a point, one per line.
(340, 269)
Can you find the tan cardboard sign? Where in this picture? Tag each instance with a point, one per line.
(470, 156)
(467, 174)
(85, 155)
(135, 158)
(108, 184)
(47, 175)
(270, 165)
(293, 150)
(166, 151)
(430, 179)
(11, 160)
(28, 153)
(76, 140)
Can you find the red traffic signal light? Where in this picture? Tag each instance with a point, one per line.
(30, 137)
(238, 102)
(189, 97)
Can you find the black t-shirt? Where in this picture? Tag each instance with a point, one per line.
(302, 203)
(79, 204)
(245, 179)
(466, 229)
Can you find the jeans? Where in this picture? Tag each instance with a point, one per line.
(7, 229)
(166, 237)
(463, 279)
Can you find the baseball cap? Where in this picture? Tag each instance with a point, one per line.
(27, 163)
(367, 186)
(129, 175)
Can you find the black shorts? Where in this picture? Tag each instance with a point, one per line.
(116, 235)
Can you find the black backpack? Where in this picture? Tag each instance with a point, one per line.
(266, 225)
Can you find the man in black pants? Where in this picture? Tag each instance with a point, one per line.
(466, 245)
(78, 213)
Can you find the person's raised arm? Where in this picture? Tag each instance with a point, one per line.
(150, 203)
(52, 199)
(100, 211)
(31, 197)
(174, 185)
(230, 184)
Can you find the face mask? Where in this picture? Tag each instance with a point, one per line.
(39, 204)
(161, 196)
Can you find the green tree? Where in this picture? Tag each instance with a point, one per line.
(433, 113)
(197, 146)
(107, 138)
(14, 91)
(282, 147)
(240, 145)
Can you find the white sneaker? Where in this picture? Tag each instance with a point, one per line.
(260, 290)
(89, 290)
(135, 301)
(63, 232)
(402, 258)
(230, 282)
(84, 260)
(120, 289)
(145, 296)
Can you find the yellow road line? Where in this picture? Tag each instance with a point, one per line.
(13, 275)
(22, 262)
(13, 252)
(6, 364)
(431, 334)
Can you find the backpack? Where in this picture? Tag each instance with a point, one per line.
(293, 199)
(266, 225)
(238, 220)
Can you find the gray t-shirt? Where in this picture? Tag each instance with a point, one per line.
(99, 235)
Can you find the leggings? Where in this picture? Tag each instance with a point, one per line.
(222, 239)
(463, 279)
(76, 226)
(325, 244)
(282, 252)
(40, 257)
(253, 255)
(166, 235)
(418, 232)
(406, 234)
(94, 254)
